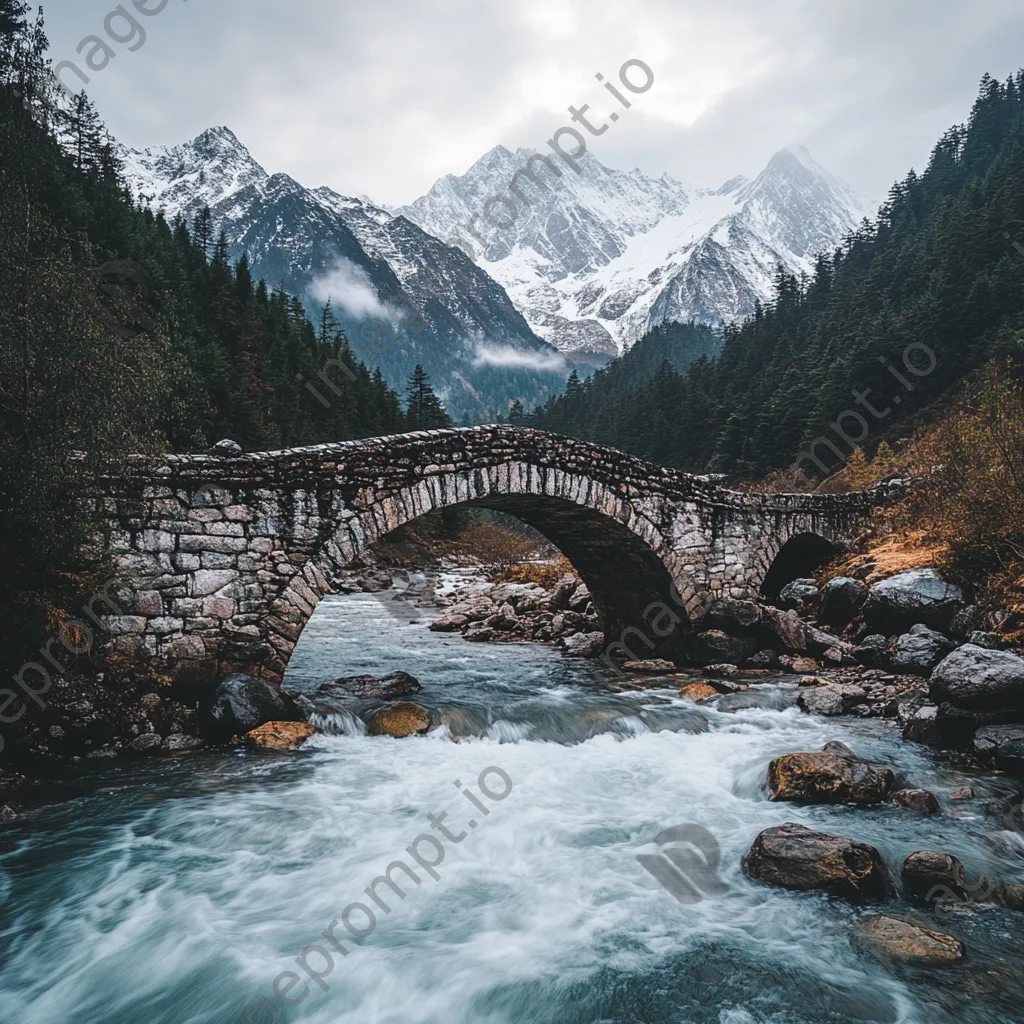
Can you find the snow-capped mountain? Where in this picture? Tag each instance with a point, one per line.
(477, 348)
(594, 260)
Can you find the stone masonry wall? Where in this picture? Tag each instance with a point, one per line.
(224, 559)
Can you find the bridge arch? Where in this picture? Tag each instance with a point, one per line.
(225, 558)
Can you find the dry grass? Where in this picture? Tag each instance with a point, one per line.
(493, 544)
(890, 552)
(965, 514)
(546, 573)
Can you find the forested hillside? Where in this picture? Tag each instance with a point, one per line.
(928, 292)
(122, 333)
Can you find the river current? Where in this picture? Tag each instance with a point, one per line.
(178, 891)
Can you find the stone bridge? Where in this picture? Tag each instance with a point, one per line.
(223, 559)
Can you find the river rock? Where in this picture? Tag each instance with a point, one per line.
(583, 645)
(796, 857)
(394, 684)
(698, 692)
(965, 622)
(147, 743)
(732, 615)
(399, 720)
(919, 800)
(504, 619)
(449, 624)
(716, 647)
(841, 601)
(975, 677)
(910, 943)
(764, 659)
(280, 735)
(941, 725)
(650, 667)
(919, 651)
(478, 632)
(830, 699)
(179, 743)
(785, 630)
(987, 640)
(838, 747)
(1003, 744)
(800, 595)
(930, 876)
(805, 666)
(917, 595)
(823, 778)
(873, 651)
(242, 703)
(722, 671)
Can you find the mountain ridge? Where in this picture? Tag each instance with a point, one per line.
(378, 268)
(602, 257)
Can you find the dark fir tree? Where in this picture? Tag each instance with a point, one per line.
(424, 410)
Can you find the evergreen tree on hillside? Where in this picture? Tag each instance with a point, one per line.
(424, 410)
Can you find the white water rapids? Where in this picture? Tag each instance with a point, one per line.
(179, 891)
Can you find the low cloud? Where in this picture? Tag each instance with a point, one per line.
(505, 355)
(349, 287)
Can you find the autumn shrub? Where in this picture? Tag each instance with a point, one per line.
(970, 494)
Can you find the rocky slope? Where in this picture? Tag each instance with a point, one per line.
(597, 259)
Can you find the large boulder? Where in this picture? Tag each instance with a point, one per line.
(242, 703)
(873, 651)
(917, 595)
(901, 940)
(713, 646)
(400, 720)
(938, 725)
(841, 601)
(732, 615)
(819, 777)
(933, 877)
(919, 651)
(783, 630)
(831, 699)
(800, 595)
(919, 800)
(975, 677)
(583, 645)
(394, 684)
(798, 858)
(1003, 744)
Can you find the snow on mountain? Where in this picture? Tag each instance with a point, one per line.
(596, 259)
(370, 262)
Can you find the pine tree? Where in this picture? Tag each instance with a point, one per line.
(516, 414)
(424, 410)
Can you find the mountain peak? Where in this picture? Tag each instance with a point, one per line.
(595, 260)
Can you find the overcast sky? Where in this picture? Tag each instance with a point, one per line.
(383, 97)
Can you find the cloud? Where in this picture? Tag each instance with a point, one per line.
(349, 287)
(505, 355)
(426, 89)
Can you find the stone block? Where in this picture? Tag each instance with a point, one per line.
(218, 607)
(210, 581)
(163, 625)
(222, 545)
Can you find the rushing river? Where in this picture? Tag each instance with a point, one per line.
(176, 892)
